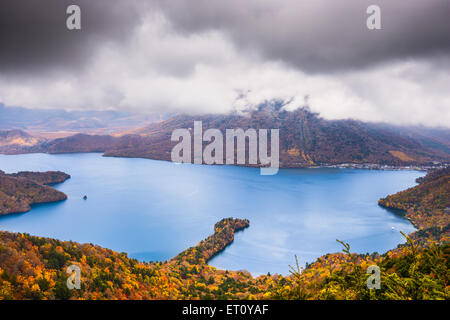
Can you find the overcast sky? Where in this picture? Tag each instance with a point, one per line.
(215, 56)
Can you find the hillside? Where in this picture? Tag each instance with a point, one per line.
(80, 143)
(305, 139)
(223, 236)
(427, 205)
(308, 140)
(48, 120)
(19, 191)
(47, 178)
(35, 267)
(17, 141)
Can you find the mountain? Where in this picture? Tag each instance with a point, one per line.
(17, 137)
(48, 120)
(306, 139)
(20, 190)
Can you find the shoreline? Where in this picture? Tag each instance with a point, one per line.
(349, 165)
(344, 166)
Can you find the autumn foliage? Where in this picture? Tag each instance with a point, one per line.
(18, 191)
(35, 268)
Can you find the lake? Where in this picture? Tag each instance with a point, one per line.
(155, 209)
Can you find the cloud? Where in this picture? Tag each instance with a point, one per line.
(213, 58)
(321, 35)
(34, 37)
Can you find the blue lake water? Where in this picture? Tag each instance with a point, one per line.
(154, 209)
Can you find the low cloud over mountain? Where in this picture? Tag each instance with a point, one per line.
(214, 57)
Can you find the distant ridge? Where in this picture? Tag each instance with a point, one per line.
(50, 120)
(305, 139)
(15, 140)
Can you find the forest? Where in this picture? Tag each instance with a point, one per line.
(35, 268)
(18, 191)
